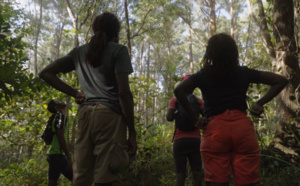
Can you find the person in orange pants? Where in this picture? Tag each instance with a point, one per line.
(229, 143)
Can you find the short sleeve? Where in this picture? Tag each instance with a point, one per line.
(172, 103)
(60, 121)
(196, 78)
(67, 61)
(123, 62)
(254, 75)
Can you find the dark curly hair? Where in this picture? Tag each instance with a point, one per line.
(221, 58)
(106, 27)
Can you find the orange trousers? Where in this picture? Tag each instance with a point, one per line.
(229, 145)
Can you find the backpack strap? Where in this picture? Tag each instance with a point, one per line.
(53, 125)
(65, 118)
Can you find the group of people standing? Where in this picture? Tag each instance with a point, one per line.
(106, 132)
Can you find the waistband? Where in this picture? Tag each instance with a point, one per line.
(231, 115)
(114, 106)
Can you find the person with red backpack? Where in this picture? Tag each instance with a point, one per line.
(186, 139)
(229, 144)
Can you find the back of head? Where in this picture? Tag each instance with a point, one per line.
(106, 27)
(55, 105)
(221, 56)
(51, 106)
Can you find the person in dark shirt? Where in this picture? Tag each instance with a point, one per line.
(102, 66)
(229, 142)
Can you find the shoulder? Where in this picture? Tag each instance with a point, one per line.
(252, 73)
(60, 120)
(60, 114)
(172, 103)
(173, 99)
(79, 50)
(68, 60)
(198, 76)
(116, 47)
(200, 100)
(247, 69)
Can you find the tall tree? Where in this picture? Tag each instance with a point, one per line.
(261, 21)
(283, 55)
(287, 136)
(127, 26)
(37, 34)
(80, 16)
(212, 5)
(233, 17)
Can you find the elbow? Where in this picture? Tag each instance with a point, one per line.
(46, 75)
(170, 115)
(169, 119)
(284, 82)
(176, 91)
(125, 94)
(42, 74)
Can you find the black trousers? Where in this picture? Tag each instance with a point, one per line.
(58, 165)
(187, 149)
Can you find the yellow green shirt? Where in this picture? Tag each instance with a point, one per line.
(60, 122)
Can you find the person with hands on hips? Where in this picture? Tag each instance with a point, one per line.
(105, 115)
(229, 144)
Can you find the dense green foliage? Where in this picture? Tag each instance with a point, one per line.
(14, 78)
(161, 47)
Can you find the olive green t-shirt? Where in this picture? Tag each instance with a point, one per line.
(99, 83)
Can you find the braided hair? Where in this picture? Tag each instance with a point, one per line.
(106, 27)
(221, 56)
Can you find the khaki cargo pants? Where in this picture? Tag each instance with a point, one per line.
(101, 146)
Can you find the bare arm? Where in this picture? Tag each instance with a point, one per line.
(49, 75)
(126, 102)
(63, 144)
(170, 114)
(276, 82)
(185, 87)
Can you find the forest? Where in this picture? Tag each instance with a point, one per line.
(166, 40)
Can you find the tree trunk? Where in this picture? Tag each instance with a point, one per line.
(288, 133)
(37, 38)
(212, 17)
(285, 61)
(191, 52)
(127, 27)
(148, 87)
(59, 39)
(79, 20)
(247, 41)
(263, 25)
(232, 20)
